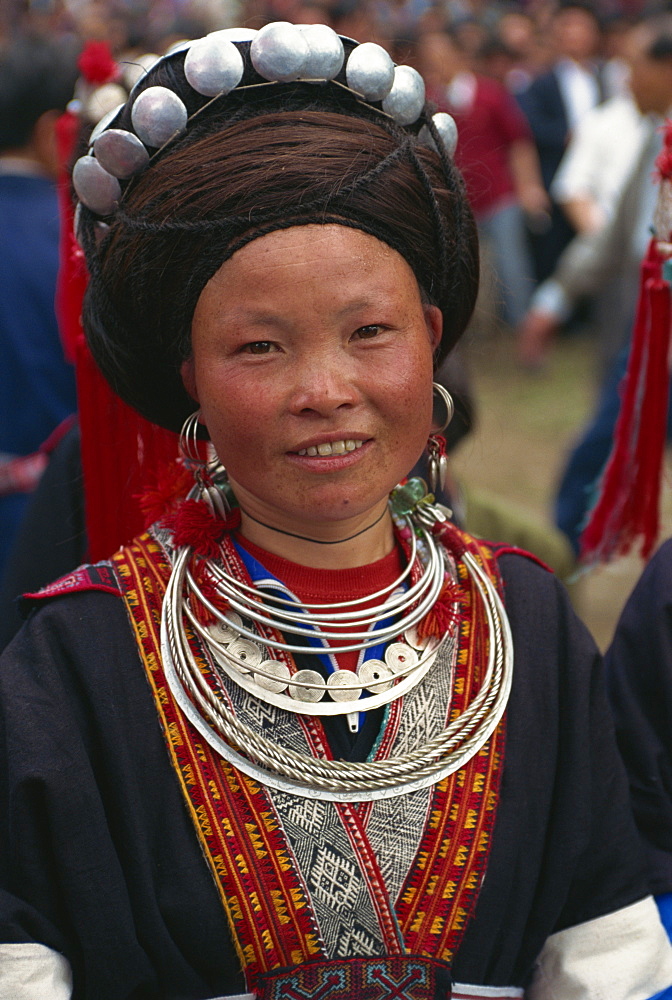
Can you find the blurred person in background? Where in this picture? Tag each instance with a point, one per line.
(37, 385)
(517, 31)
(554, 104)
(599, 160)
(496, 155)
(613, 253)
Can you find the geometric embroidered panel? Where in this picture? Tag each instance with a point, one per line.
(395, 977)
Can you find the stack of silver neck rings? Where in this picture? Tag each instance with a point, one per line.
(236, 649)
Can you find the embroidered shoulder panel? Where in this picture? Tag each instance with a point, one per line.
(97, 576)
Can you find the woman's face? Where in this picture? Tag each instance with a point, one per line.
(312, 365)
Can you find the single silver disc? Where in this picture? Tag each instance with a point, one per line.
(95, 188)
(446, 127)
(223, 632)
(375, 675)
(103, 123)
(227, 664)
(399, 656)
(406, 100)
(157, 115)
(213, 65)
(340, 686)
(121, 153)
(246, 652)
(413, 639)
(305, 693)
(279, 51)
(325, 52)
(280, 679)
(370, 71)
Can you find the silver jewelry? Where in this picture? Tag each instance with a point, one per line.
(337, 780)
(446, 129)
(208, 472)
(280, 52)
(95, 187)
(448, 403)
(213, 66)
(158, 115)
(406, 99)
(326, 54)
(370, 71)
(120, 153)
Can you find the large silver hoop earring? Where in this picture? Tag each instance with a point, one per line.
(447, 400)
(437, 460)
(209, 473)
(189, 449)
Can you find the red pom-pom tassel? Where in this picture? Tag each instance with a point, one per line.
(96, 63)
(166, 488)
(195, 525)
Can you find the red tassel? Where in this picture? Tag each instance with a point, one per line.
(195, 525)
(96, 63)
(166, 488)
(119, 448)
(445, 612)
(629, 491)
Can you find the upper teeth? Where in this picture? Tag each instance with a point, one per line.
(332, 448)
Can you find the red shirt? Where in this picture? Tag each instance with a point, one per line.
(487, 129)
(324, 586)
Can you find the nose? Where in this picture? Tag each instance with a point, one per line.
(323, 385)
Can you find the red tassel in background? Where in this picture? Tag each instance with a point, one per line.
(629, 491)
(121, 451)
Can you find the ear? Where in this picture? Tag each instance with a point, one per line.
(434, 321)
(188, 373)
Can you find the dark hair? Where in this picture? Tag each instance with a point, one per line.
(36, 76)
(660, 27)
(250, 163)
(581, 5)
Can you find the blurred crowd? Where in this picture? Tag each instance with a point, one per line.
(558, 106)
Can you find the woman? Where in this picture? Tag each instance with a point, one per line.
(368, 802)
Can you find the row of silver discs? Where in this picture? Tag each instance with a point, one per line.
(375, 676)
(214, 66)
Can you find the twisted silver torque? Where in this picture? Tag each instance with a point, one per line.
(283, 768)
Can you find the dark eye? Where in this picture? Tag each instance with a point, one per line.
(260, 347)
(368, 332)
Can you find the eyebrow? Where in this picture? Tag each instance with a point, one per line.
(261, 317)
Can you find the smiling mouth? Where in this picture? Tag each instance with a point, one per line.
(332, 448)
